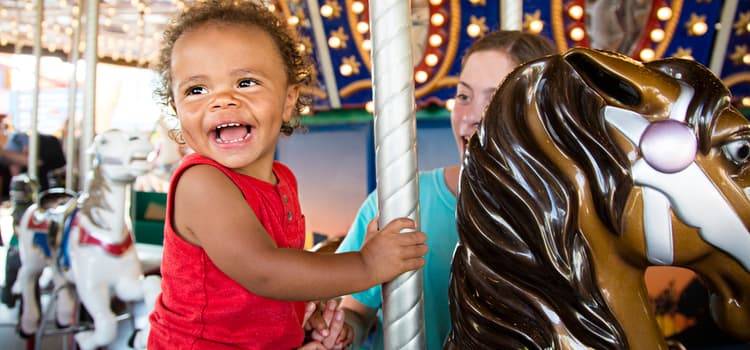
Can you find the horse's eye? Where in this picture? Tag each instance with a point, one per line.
(738, 151)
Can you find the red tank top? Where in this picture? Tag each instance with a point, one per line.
(200, 307)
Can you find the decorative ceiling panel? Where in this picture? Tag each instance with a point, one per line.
(336, 33)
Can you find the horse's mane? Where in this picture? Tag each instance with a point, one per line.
(521, 274)
(95, 197)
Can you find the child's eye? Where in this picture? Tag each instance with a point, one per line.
(248, 83)
(195, 90)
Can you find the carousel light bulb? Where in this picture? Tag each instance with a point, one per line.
(435, 40)
(345, 70)
(437, 19)
(363, 27)
(334, 42)
(450, 103)
(436, 2)
(326, 11)
(647, 55)
(473, 30)
(657, 35)
(664, 13)
(746, 101)
(107, 22)
(699, 28)
(111, 11)
(306, 110)
(421, 76)
(536, 26)
(577, 34)
(370, 107)
(125, 27)
(366, 44)
(358, 7)
(474, 2)
(271, 7)
(575, 12)
(74, 23)
(29, 6)
(3, 41)
(746, 58)
(431, 59)
(292, 20)
(3, 12)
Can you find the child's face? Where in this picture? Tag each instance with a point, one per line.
(231, 95)
(482, 74)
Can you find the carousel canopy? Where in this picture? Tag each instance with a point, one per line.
(336, 32)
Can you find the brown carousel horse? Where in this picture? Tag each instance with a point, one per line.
(588, 168)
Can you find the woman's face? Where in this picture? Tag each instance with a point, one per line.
(482, 74)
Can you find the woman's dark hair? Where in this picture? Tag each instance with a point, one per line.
(521, 47)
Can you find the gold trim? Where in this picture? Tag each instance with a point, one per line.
(737, 78)
(450, 52)
(558, 28)
(348, 90)
(315, 92)
(437, 80)
(669, 29)
(356, 35)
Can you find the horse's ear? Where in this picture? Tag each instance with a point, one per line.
(599, 76)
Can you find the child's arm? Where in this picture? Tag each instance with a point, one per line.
(210, 211)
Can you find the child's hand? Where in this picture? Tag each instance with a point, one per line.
(389, 253)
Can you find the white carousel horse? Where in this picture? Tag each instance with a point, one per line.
(94, 248)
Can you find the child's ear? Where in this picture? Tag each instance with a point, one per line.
(290, 103)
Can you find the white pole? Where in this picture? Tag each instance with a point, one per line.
(89, 101)
(511, 14)
(70, 139)
(396, 160)
(33, 154)
(722, 36)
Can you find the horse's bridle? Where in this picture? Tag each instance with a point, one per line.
(670, 178)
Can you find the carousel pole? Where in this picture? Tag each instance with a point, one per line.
(33, 132)
(511, 14)
(396, 160)
(70, 140)
(89, 101)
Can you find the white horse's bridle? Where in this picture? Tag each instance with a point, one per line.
(670, 178)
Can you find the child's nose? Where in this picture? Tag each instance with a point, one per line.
(224, 99)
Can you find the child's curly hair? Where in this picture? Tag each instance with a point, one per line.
(298, 65)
